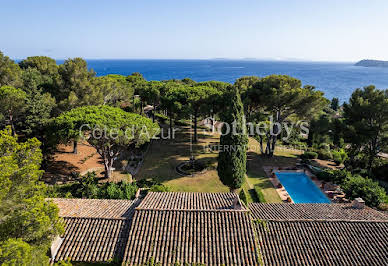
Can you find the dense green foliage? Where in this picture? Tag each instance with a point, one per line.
(278, 98)
(355, 186)
(335, 176)
(28, 222)
(365, 188)
(12, 103)
(366, 117)
(88, 187)
(10, 72)
(232, 156)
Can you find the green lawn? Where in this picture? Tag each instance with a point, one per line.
(165, 155)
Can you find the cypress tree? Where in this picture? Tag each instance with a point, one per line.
(232, 156)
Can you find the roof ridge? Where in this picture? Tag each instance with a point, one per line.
(324, 220)
(96, 218)
(191, 210)
(190, 192)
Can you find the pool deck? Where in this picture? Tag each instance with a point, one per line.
(326, 188)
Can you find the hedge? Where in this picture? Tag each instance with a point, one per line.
(243, 196)
(309, 155)
(259, 194)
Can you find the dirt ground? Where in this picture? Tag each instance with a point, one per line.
(65, 162)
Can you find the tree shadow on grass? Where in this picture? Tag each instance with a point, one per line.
(166, 154)
(255, 161)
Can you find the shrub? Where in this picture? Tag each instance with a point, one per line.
(129, 189)
(325, 175)
(309, 155)
(113, 191)
(243, 196)
(365, 188)
(324, 154)
(120, 190)
(162, 118)
(88, 187)
(339, 157)
(259, 194)
(324, 146)
(340, 176)
(335, 176)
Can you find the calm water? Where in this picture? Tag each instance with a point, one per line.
(335, 79)
(301, 189)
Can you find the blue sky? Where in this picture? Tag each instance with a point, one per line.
(330, 30)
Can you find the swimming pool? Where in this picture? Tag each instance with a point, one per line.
(301, 188)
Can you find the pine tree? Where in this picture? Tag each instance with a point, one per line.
(232, 156)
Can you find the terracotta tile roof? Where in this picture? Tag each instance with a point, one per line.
(93, 239)
(203, 228)
(324, 242)
(187, 201)
(95, 230)
(313, 211)
(95, 208)
(209, 237)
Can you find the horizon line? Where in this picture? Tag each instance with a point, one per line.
(207, 59)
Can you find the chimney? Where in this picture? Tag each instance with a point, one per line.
(55, 245)
(237, 203)
(358, 203)
(138, 193)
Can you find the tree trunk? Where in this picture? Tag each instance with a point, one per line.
(13, 131)
(268, 150)
(170, 124)
(213, 123)
(273, 146)
(153, 113)
(108, 163)
(75, 147)
(195, 127)
(261, 145)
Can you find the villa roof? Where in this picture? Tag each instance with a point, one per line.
(204, 228)
(95, 208)
(93, 239)
(211, 237)
(313, 211)
(95, 230)
(187, 201)
(323, 242)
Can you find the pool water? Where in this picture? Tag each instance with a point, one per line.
(301, 188)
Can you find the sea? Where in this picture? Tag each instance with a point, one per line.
(333, 78)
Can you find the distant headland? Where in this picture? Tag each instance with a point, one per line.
(372, 63)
